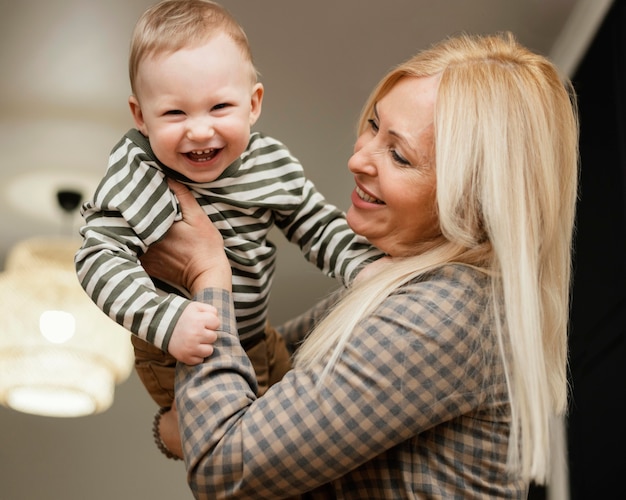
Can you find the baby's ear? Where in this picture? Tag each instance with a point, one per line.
(135, 110)
(256, 102)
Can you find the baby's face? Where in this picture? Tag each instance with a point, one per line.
(196, 105)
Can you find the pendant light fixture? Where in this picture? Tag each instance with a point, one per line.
(60, 355)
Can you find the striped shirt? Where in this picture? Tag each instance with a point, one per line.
(415, 408)
(133, 208)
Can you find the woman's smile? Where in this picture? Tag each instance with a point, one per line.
(393, 203)
(366, 197)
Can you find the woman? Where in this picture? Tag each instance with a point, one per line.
(437, 375)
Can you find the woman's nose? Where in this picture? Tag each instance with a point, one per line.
(362, 159)
(200, 129)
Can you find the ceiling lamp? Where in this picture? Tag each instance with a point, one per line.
(60, 355)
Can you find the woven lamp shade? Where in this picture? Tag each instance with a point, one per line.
(44, 369)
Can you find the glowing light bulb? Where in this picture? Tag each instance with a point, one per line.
(57, 326)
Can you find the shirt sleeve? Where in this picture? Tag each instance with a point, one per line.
(296, 329)
(318, 227)
(409, 366)
(321, 231)
(131, 209)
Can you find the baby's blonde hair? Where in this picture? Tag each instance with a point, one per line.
(506, 159)
(171, 25)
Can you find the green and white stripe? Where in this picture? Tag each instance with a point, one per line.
(133, 208)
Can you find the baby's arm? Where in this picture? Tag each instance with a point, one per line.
(321, 231)
(194, 333)
(118, 229)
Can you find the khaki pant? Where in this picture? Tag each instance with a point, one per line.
(156, 368)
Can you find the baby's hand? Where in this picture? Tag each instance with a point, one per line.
(194, 334)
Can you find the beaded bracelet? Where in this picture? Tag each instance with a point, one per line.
(157, 436)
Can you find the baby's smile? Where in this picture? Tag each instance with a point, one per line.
(204, 155)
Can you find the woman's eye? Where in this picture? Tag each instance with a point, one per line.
(373, 125)
(399, 159)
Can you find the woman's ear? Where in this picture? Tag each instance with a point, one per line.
(135, 110)
(256, 102)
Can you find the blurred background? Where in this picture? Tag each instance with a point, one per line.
(63, 105)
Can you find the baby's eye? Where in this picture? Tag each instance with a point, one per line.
(373, 125)
(174, 112)
(219, 106)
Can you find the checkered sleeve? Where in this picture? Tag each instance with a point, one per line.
(296, 329)
(408, 367)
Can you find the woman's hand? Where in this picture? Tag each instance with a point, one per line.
(192, 253)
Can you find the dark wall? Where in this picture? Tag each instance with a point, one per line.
(597, 419)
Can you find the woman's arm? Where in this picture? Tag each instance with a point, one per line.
(296, 329)
(192, 253)
(402, 372)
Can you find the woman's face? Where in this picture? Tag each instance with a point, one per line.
(393, 204)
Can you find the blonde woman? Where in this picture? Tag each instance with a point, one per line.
(437, 375)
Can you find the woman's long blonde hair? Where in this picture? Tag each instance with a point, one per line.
(506, 156)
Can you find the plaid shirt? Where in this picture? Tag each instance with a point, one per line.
(416, 407)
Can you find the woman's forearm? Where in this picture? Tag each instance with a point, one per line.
(218, 276)
(192, 253)
(296, 329)
(300, 434)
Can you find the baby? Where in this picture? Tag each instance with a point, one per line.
(195, 97)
